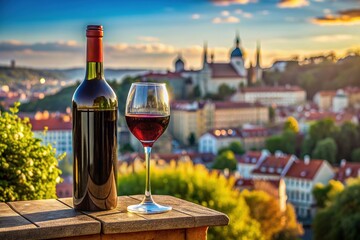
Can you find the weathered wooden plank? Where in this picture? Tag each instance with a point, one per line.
(176, 234)
(12, 225)
(203, 216)
(198, 233)
(55, 219)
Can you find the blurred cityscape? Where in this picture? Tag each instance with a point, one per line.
(291, 124)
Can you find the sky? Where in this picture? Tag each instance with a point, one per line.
(151, 33)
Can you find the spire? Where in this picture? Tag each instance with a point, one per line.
(258, 48)
(205, 54)
(237, 39)
(212, 56)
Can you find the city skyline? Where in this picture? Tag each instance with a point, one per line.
(138, 35)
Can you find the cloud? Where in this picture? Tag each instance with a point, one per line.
(148, 39)
(332, 38)
(195, 16)
(229, 19)
(292, 3)
(225, 13)
(247, 15)
(230, 2)
(345, 17)
(60, 46)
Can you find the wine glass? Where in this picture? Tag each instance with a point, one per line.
(147, 115)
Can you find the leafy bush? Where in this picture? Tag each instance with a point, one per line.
(28, 170)
(198, 185)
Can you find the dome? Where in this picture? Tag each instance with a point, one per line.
(236, 53)
(179, 60)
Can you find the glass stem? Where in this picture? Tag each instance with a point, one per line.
(148, 198)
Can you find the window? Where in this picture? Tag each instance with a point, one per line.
(308, 197)
(302, 196)
(263, 169)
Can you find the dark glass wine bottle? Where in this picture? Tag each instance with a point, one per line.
(94, 108)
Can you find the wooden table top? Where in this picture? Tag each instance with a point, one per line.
(56, 218)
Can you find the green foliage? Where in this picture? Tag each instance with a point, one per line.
(192, 139)
(291, 124)
(286, 142)
(19, 75)
(271, 114)
(197, 92)
(28, 170)
(225, 160)
(324, 195)
(126, 148)
(265, 210)
(235, 147)
(341, 218)
(319, 73)
(347, 139)
(225, 91)
(66, 166)
(196, 184)
(325, 149)
(355, 155)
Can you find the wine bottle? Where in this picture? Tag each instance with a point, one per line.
(95, 114)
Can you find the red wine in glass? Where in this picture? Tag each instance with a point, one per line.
(147, 128)
(147, 114)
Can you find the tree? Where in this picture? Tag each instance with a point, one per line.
(291, 124)
(225, 91)
(271, 114)
(192, 139)
(355, 155)
(341, 218)
(235, 147)
(196, 184)
(289, 142)
(347, 140)
(197, 92)
(274, 143)
(324, 195)
(326, 149)
(323, 129)
(126, 148)
(225, 160)
(28, 170)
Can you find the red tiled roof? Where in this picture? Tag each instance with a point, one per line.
(273, 89)
(351, 90)
(223, 70)
(51, 123)
(249, 157)
(254, 132)
(348, 170)
(305, 171)
(272, 164)
(317, 115)
(327, 93)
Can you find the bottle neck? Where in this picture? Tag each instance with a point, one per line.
(94, 58)
(94, 70)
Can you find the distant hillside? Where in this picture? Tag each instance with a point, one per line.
(57, 102)
(15, 75)
(326, 75)
(61, 100)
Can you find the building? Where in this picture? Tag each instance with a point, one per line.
(300, 176)
(58, 133)
(323, 99)
(270, 96)
(280, 65)
(347, 170)
(215, 139)
(340, 101)
(201, 116)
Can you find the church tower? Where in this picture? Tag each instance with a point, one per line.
(236, 57)
(179, 64)
(258, 70)
(205, 73)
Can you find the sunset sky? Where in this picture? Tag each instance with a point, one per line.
(149, 34)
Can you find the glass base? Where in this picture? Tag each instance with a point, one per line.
(148, 208)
